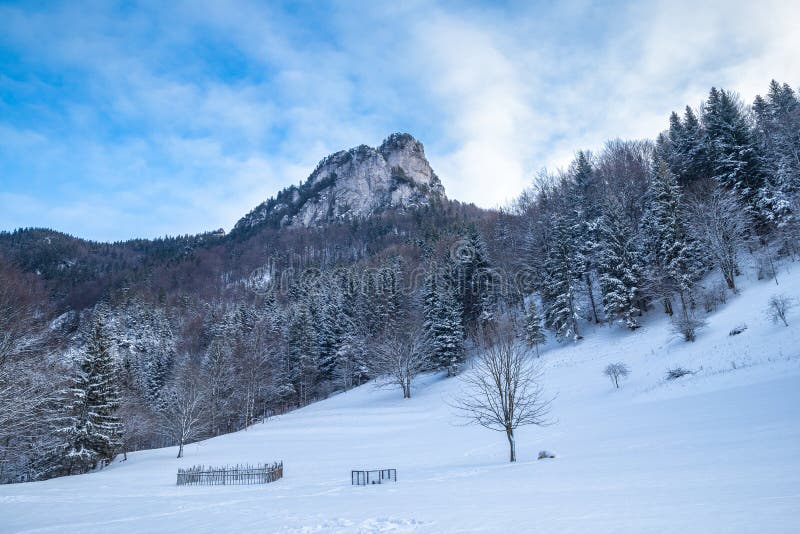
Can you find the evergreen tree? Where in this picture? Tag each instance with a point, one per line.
(778, 133)
(93, 432)
(330, 329)
(620, 269)
(474, 279)
(351, 367)
(734, 153)
(563, 271)
(693, 152)
(671, 255)
(583, 202)
(443, 325)
(684, 149)
(534, 333)
(303, 353)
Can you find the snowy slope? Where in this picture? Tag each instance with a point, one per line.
(718, 451)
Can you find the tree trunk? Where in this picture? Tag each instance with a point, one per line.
(511, 445)
(180, 449)
(591, 297)
(5, 456)
(728, 275)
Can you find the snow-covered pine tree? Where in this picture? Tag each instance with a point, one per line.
(159, 356)
(534, 332)
(330, 328)
(734, 153)
(443, 322)
(351, 367)
(303, 352)
(778, 133)
(668, 144)
(585, 214)
(693, 150)
(684, 148)
(672, 257)
(620, 268)
(563, 271)
(92, 432)
(474, 279)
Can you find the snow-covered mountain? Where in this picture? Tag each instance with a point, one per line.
(353, 184)
(715, 451)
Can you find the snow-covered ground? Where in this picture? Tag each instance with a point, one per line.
(718, 451)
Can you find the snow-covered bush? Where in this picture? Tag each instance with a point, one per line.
(738, 330)
(616, 372)
(677, 372)
(712, 297)
(546, 454)
(687, 324)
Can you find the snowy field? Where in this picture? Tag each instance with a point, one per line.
(717, 451)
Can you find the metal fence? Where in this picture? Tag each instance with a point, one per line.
(221, 476)
(374, 476)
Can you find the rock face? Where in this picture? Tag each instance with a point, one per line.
(353, 184)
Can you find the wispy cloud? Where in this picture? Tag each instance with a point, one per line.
(119, 121)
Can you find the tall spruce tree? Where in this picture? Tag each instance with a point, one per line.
(563, 271)
(584, 219)
(684, 149)
(92, 432)
(534, 332)
(443, 322)
(474, 279)
(672, 257)
(734, 153)
(778, 133)
(620, 267)
(303, 354)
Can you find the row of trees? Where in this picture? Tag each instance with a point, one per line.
(640, 223)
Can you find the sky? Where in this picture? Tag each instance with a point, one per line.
(145, 119)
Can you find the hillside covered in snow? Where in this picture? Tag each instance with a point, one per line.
(714, 451)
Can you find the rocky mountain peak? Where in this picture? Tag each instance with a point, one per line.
(353, 184)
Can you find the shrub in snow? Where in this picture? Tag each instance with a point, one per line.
(616, 372)
(778, 307)
(738, 330)
(766, 268)
(677, 372)
(712, 297)
(687, 324)
(546, 454)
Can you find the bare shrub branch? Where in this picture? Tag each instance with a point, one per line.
(616, 372)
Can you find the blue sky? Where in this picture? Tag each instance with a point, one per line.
(141, 119)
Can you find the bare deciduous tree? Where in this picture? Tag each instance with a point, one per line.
(183, 418)
(719, 222)
(616, 372)
(400, 357)
(25, 384)
(779, 306)
(503, 391)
